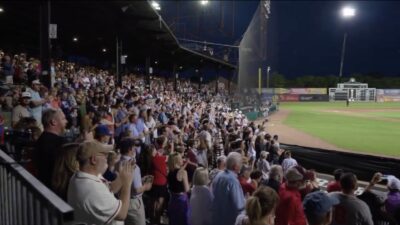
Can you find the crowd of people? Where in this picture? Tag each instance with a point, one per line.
(158, 156)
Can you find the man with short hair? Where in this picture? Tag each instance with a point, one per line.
(136, 213)
(290, 209)
(288, 162)
(229, 200)
(221, 166)
(48, 144)
(318, 208)
(335, 184)
(350, 210)
(89, 193)
(22, 110)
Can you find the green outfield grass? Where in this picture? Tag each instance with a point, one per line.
(370, 132)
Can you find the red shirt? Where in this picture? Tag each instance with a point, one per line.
(290, 208)
(159, 169)
(333, 186)
(247, 187)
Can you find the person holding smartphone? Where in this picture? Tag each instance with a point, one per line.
(392, 202)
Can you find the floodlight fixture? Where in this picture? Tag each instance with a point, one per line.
(156, 5)
(348, 12)
(204, 3)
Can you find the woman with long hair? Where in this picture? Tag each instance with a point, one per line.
(65, 166)
(260, 208)
(178, 185)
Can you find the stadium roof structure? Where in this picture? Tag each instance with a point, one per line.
(141, 30)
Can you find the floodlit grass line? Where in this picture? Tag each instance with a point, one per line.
(348, 132)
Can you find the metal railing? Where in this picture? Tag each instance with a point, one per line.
(25, 200)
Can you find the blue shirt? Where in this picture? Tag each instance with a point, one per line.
(121, 114)
(228, 200)
(163, 118)
(137, 178)
(140, 126)
(134, 132)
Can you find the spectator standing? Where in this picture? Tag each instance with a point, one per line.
(275, 178)
(288, 161)
(229, 200)
(260, 208)
(350, 210)
(36, 104)
(263, 164)
(102, 134)
(290, 209)
(221, 166)
(391, 203)
(318, 208)
(200, 199)
(159, 190)
(91, 195)
(178, 185)
(22, 110)
(335, 184)
(136, 211)
(65, 166)
(48, 145)
(245, 181)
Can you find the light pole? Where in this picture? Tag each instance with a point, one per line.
(347, 13)
(268, 69)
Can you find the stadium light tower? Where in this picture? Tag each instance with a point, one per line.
(347, 13)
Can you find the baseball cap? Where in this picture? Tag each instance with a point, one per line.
(102, 130)
(26, 94)
(297, 173)
(36, 82)
(393, 182)
(319, 203)
(92, 147)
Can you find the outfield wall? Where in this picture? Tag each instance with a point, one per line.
(294, 94)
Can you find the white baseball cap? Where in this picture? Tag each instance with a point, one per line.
(393, 182)
(26, 94)
(36, 82)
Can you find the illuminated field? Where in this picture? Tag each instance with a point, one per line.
(362, 127)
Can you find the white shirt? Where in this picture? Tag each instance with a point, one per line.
(92, 199)
(288, 163)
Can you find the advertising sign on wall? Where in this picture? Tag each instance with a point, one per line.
(289, 98)
(313, 98)
(302, 91)
(388, 95)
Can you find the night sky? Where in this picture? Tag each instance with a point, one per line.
(304, 37)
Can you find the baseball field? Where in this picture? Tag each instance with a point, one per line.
(372, 128)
